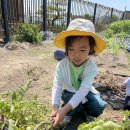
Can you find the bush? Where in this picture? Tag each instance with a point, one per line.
(18, 113)
(106, 124)
(118, 27)
(28, 33)
(115, 36)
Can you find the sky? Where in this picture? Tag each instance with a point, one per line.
(117, 4)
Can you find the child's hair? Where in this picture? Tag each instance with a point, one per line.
(71, 39)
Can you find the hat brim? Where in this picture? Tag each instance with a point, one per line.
(60, 39)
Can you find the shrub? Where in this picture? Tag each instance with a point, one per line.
(28, 33)
(16, 113)
(118, 27)
(115, 36)
(106, 125)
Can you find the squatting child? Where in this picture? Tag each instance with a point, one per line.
(75, 73)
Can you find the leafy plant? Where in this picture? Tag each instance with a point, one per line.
(117, 28)
(26, 32)
(16, 113)
(105, 125)
(115, 36)
(121, 26)
(114, 44)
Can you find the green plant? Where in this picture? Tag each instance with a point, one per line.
(117, 28)
(112, 46)
(16, 113)
(105, 125)
(26, 32)
(114, 37)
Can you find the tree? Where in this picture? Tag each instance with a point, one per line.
(105, 20)
(55, 11)
(86, 16)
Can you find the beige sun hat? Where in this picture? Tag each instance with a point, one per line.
(80, 27)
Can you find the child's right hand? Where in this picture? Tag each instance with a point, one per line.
(54, 112)
(55, 109)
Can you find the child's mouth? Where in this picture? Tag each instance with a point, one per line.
(77, 62)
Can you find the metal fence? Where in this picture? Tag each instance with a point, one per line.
(52, 15)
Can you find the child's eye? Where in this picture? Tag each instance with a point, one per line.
(71, 49)
(82, 50)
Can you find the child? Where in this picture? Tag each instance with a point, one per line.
(127, 99)
(75, 73)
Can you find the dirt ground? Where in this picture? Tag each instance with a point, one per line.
(22, 62)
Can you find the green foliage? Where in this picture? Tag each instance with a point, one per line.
(115, 35)
(104, 21)
(26, 32)
(56, 11)
(103, 125)
(107, 19)
(107, 125)
(88, 16)
(16, 113)
(118, 27)
(126, 122)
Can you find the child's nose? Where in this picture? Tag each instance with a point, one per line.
(76, 55)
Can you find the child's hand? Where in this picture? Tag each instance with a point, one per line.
(54, 113)
(59, 117)
(55, 109)
(61, 114)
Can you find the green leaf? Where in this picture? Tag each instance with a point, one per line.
(11, 125)
(12, 109)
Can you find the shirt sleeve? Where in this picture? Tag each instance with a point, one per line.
(85, 87)
(57, 85)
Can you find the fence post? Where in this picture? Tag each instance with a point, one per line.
(68, 12)
(6, 36)
(123, 16)
(94, 15)
(44, 19)
(111, 15)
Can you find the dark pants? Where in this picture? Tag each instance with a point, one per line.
(93, 107)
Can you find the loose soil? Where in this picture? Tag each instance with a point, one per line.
(21, 62)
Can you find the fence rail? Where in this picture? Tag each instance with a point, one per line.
(53, 15)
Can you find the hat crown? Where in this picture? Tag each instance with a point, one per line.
(81, 25)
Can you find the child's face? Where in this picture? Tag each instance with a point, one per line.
(79, 51)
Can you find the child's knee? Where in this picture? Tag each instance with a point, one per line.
(99, 111)
(95, 108)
